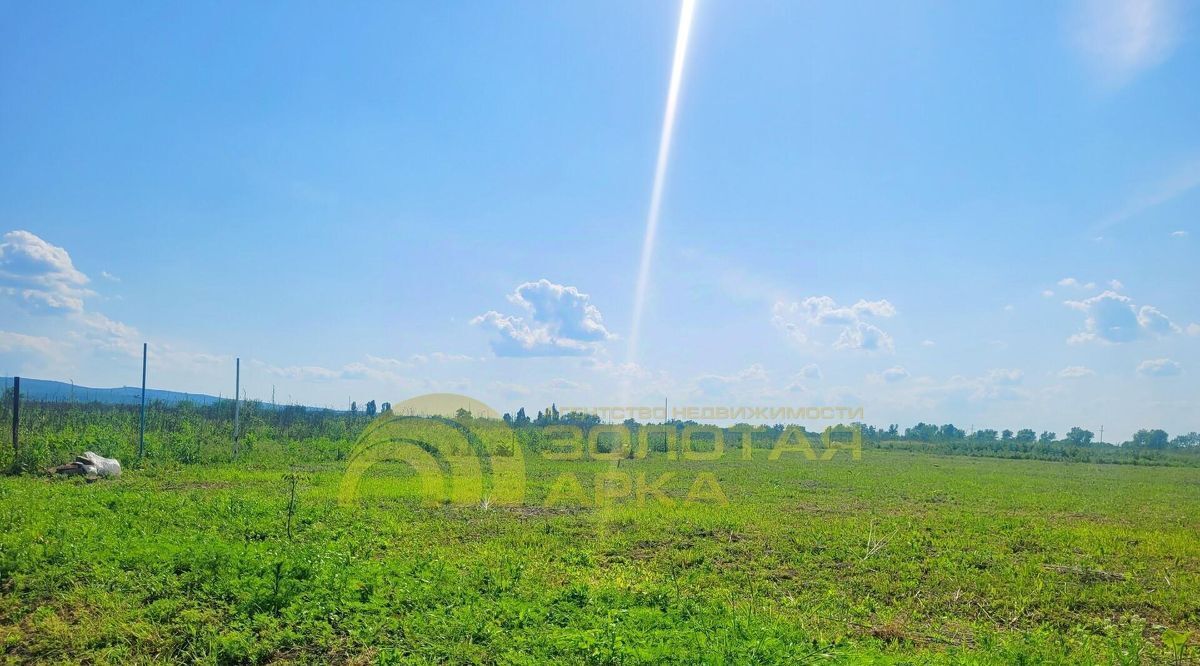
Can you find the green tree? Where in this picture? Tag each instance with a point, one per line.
(1026, 436)
(1186, 441)
(521, 419)
(949, 433)
(922, 432)
(1150, 439)
(1079, 437)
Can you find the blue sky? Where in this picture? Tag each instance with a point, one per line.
(978, 213)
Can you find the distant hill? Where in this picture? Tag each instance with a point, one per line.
(44, 389)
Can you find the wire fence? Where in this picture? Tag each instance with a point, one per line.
(55, 431)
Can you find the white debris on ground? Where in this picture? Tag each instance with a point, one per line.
(91, 465)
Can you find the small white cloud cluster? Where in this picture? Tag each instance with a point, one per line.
(1075, 372)
(996, 385)
(1072, 282)
(1159, 367)
(802, 320)
(1114, 318)
(40, 275)
(895, 374)
(558, 320)
(19, 342)
(381, 371)
(42, 279)
(892, 375)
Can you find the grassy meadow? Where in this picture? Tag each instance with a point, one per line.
(897, 558)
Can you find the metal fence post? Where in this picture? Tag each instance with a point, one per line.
(16, 416)
(237, 412)
(142, 414)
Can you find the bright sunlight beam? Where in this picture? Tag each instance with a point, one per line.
(686, 11)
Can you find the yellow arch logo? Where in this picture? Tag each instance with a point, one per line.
(461, 452)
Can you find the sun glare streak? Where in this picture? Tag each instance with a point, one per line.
(686, 12)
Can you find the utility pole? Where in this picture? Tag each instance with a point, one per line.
(1101, 434)
(142, 412)
(237, 407)
(16, 416)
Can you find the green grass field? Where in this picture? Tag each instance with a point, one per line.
(895, 558)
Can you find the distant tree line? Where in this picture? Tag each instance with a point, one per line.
(1154, 439)
(927, 432)
(1147, 446)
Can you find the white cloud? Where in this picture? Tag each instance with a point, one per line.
(43, 279)
(1075, 372)
(1154, 321)
(1120, 38)
(1002, 384)
(894, 374)
(162, 355)
(19, 342)
(1159, 367)
(1004, 377)
(716, 385)
(300, 373)
(1072, 282)
(109, 276)
(1193, 329)
(376, 369)
(802, 320)
(107, 335)
(1179, 234)
(1048, 293)
(560, 384)
(810, 371)
(558, 320)
(39, 275)
(1116, 285)
(928, 343)
(387, 363)
(1114, 318)
(438, 357)
(864, 336)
